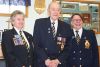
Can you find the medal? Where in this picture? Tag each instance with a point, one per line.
(17, 40)
(61, 42)
(62, 46)
(87, 44)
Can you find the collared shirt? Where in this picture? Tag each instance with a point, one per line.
(56, 24)
(18, 31)
(79, 32)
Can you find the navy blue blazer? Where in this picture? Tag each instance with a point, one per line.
(16, 55)
(84, 54)
(46, 45)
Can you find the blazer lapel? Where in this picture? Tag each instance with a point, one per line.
(14, 31)
(73, 37)
(49, 29)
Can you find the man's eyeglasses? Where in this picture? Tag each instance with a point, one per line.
(76, 20)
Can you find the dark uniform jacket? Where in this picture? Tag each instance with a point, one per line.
(16, 55)
(47, 46)
(84, 54)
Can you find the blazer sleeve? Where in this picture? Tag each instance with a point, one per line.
(40, 52)
(95, 50)
(7, 49)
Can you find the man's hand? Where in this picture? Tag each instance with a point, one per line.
(52, 63)
(48, 62)
(55, 63)
(23, 66)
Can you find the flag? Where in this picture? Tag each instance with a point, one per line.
(20, 2)
(27, 2)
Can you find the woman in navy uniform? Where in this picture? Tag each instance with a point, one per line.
(17, 53)
(84, 49)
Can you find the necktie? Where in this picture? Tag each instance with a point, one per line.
(53, 29)
(77, 37)
(24, 41)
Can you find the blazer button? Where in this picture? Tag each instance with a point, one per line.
(80, 51)
(45, 48)
(80, 58)
(59, 51)
(74, 52)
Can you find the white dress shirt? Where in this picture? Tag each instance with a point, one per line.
(56, 24)
(79, 32)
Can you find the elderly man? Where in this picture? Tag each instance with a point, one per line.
(51, 38)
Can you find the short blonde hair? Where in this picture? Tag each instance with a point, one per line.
(16, 12)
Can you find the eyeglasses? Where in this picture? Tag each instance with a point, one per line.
(76, 20)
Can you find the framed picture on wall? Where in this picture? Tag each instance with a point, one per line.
(1, 54)
(98, 38)
(11, 5)
(1, 31)
(86, 17)
(70, 6)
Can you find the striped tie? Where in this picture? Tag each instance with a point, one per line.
(24, 41)
(53, 29)
(77, 37)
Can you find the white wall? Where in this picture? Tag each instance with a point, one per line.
(30, 20)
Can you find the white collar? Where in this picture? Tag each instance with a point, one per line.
(17, 30)
(56, 21)
(79, 31)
